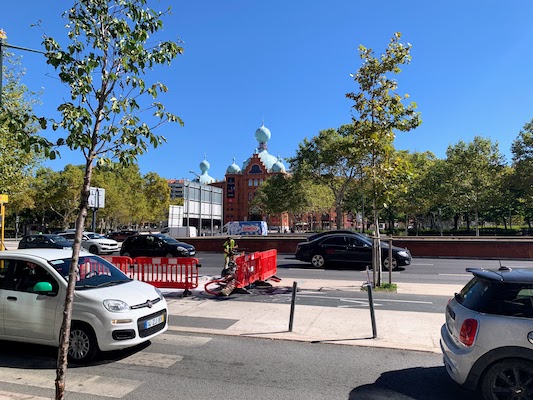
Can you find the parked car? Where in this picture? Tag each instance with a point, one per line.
(347, 231)
(110, 310)
(487, 340)
(94, 242)
(120, 236)
(155, 245)
(44, 240)
(348, 248)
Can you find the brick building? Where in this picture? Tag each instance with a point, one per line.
(240, 185)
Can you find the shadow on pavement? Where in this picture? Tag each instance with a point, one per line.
(413, 384)
(33, 356)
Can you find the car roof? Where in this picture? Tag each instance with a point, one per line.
(43, 254)
(503, 274)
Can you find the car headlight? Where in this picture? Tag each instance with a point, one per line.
(159, 293)
(403, 254)
(116, 305)
(183, 249)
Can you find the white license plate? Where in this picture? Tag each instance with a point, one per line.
(154, 321)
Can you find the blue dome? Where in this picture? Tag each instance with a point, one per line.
(278, 166)
(204, 165)
(263, 134)
(233, 168)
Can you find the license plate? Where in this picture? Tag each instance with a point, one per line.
(154, 321)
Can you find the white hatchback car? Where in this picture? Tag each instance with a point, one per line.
(110, 310)
(94, 242)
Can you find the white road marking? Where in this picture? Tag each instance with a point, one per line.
(151, 359)
(181, 340)
(76, 382)
(375, 299)
(19, 396)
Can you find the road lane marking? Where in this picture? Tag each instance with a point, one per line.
(375, 299)
(146, 359)
(180, 340)
(76, 382)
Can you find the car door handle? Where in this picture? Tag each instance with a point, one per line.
(13, 298)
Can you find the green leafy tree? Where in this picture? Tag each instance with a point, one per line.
(522, 177)
(17, 162)
(157, 194)
(473, 170)
(104, 66)
(378, 112)
(333, 160)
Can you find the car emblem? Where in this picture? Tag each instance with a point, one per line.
(149, 304)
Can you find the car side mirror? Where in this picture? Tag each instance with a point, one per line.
(43, 288)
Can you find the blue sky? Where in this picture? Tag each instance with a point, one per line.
(289, 63)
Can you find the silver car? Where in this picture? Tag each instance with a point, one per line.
(487, 340)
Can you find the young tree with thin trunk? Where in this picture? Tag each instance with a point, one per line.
(378, 112)
(104, 66)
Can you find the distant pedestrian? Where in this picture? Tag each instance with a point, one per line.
(228, 246)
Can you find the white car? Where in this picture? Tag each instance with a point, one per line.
(94, 242)
(110, 310)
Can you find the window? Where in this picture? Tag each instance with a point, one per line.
(250, 196)
(24, 275)
(334, 241)
(509, 299)
(249, 182)
(256, 182)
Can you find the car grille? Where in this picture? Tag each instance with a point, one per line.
(153, 329)
(147, 303)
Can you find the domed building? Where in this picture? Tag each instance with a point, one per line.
(240, 184)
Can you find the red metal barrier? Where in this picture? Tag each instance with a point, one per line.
(248, 270)
(161, 272)
(121, 262)
(268, 262)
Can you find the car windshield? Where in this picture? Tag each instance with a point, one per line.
(93, 272)
(169, 240)
(58, 239)
(95, 236)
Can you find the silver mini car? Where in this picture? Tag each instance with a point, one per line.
(487, 340)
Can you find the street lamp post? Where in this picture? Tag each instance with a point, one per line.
(3, 44)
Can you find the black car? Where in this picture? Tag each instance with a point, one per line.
(155, 245)
(348, 248)
(120, 236)
(44, 240)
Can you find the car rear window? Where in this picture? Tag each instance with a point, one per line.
(499, 298)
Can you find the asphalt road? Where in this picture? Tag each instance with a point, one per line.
(204, 367)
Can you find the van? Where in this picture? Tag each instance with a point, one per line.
(180, 231)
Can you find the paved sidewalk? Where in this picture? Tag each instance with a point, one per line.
(347, 326)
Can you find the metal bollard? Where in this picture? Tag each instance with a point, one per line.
(372, 315)
(293, 303)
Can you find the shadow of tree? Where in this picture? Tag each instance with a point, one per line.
(413, 384)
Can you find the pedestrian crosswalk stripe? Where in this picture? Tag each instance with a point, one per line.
(151, 359)
(19, 396)
(181, 340)
(76, 382)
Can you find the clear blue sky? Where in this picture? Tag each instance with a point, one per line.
(288, 63)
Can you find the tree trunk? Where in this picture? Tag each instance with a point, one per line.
(73, 273)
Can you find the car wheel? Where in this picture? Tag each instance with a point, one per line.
(83, 346)
(126, 254)
(318, 261)
(93, 249)
(386, 263)
(507, 380)
(169, 255)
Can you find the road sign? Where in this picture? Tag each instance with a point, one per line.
(4, 198)
(96, 197)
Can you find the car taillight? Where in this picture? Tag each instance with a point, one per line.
(468, 332)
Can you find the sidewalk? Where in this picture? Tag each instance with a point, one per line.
(347, 326)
